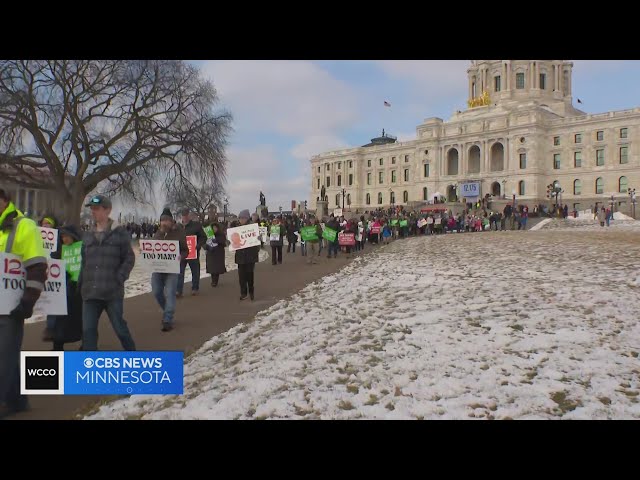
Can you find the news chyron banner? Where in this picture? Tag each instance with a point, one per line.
(102, 373)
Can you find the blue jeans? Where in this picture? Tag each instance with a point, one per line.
(194, 265)
(11, 333)
(51, 322)
(161, 282)
(91, 311)
(333, 248)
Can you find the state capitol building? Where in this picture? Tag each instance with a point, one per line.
(519, 135)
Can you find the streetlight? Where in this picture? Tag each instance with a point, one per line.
(513, 192)
(224, 216)
(632, 197)
(344, 194)
(504, 184)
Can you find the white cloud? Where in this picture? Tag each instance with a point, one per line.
(260, 169)
(316, 144)
(433, 79)
(405, 137)
(285, 97)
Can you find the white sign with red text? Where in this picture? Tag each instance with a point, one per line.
(13, 280)
(49, 239)
(243, 237)
(160, 256)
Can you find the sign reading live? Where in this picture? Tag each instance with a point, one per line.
(192, 243)
(244, 236)
(53, 299)
(49, 239)
(346, 239)
(160, 256)
(102, 373)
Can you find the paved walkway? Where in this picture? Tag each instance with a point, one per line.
(197, 319)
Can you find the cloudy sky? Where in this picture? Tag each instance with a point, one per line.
(285, 111)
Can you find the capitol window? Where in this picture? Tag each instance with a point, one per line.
(328, 182)
(380, 198)
(624, 154)
(599, 158)
(599, 185)
(426, 169)
(350, 164)
(380, 177)
(577, 187)
(578, 138)
(351, 179)
(556, 141)
(393, 160)
(623, 133)
(496, 84)
(521, 187)
(369, 178)
(368, 200)
(339, 165)
(339, 180)
(328, 167)
(318, 184)
(369, 163)
(523, 161)
(381, 162)
(577, 159)
(556, 161)
(622, 185)
(318, 168)
(425, 193)
(405, 196)
(543, 81)
(520, 80)
(600, 135)
(406, 175)
(406, 158)
(393, 176)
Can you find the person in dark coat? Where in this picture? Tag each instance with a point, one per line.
(214, 247)
(51, 221)
(246, 260)
(276, 239)
(68, 328)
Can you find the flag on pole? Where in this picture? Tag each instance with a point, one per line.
(387, 104)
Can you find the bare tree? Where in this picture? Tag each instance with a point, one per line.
(117, 126)
(197, 197)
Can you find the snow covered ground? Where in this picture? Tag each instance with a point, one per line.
(140, 280)
(521, 325)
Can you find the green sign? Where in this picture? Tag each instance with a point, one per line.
(404, 223)
(309, 234)
(71, 254)
(394, 222)
(329, 234)
(209, 231)
(275, 229)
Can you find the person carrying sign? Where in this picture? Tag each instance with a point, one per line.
(19, 236)
(164, 285)
(191, 228)
(276, 233)
(216, 264)
(107, 261)
(246, 260)
(68, 328)
(50, 221)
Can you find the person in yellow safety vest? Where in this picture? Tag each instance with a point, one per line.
(19, 236)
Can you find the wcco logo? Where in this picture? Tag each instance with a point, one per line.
(41, 373)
